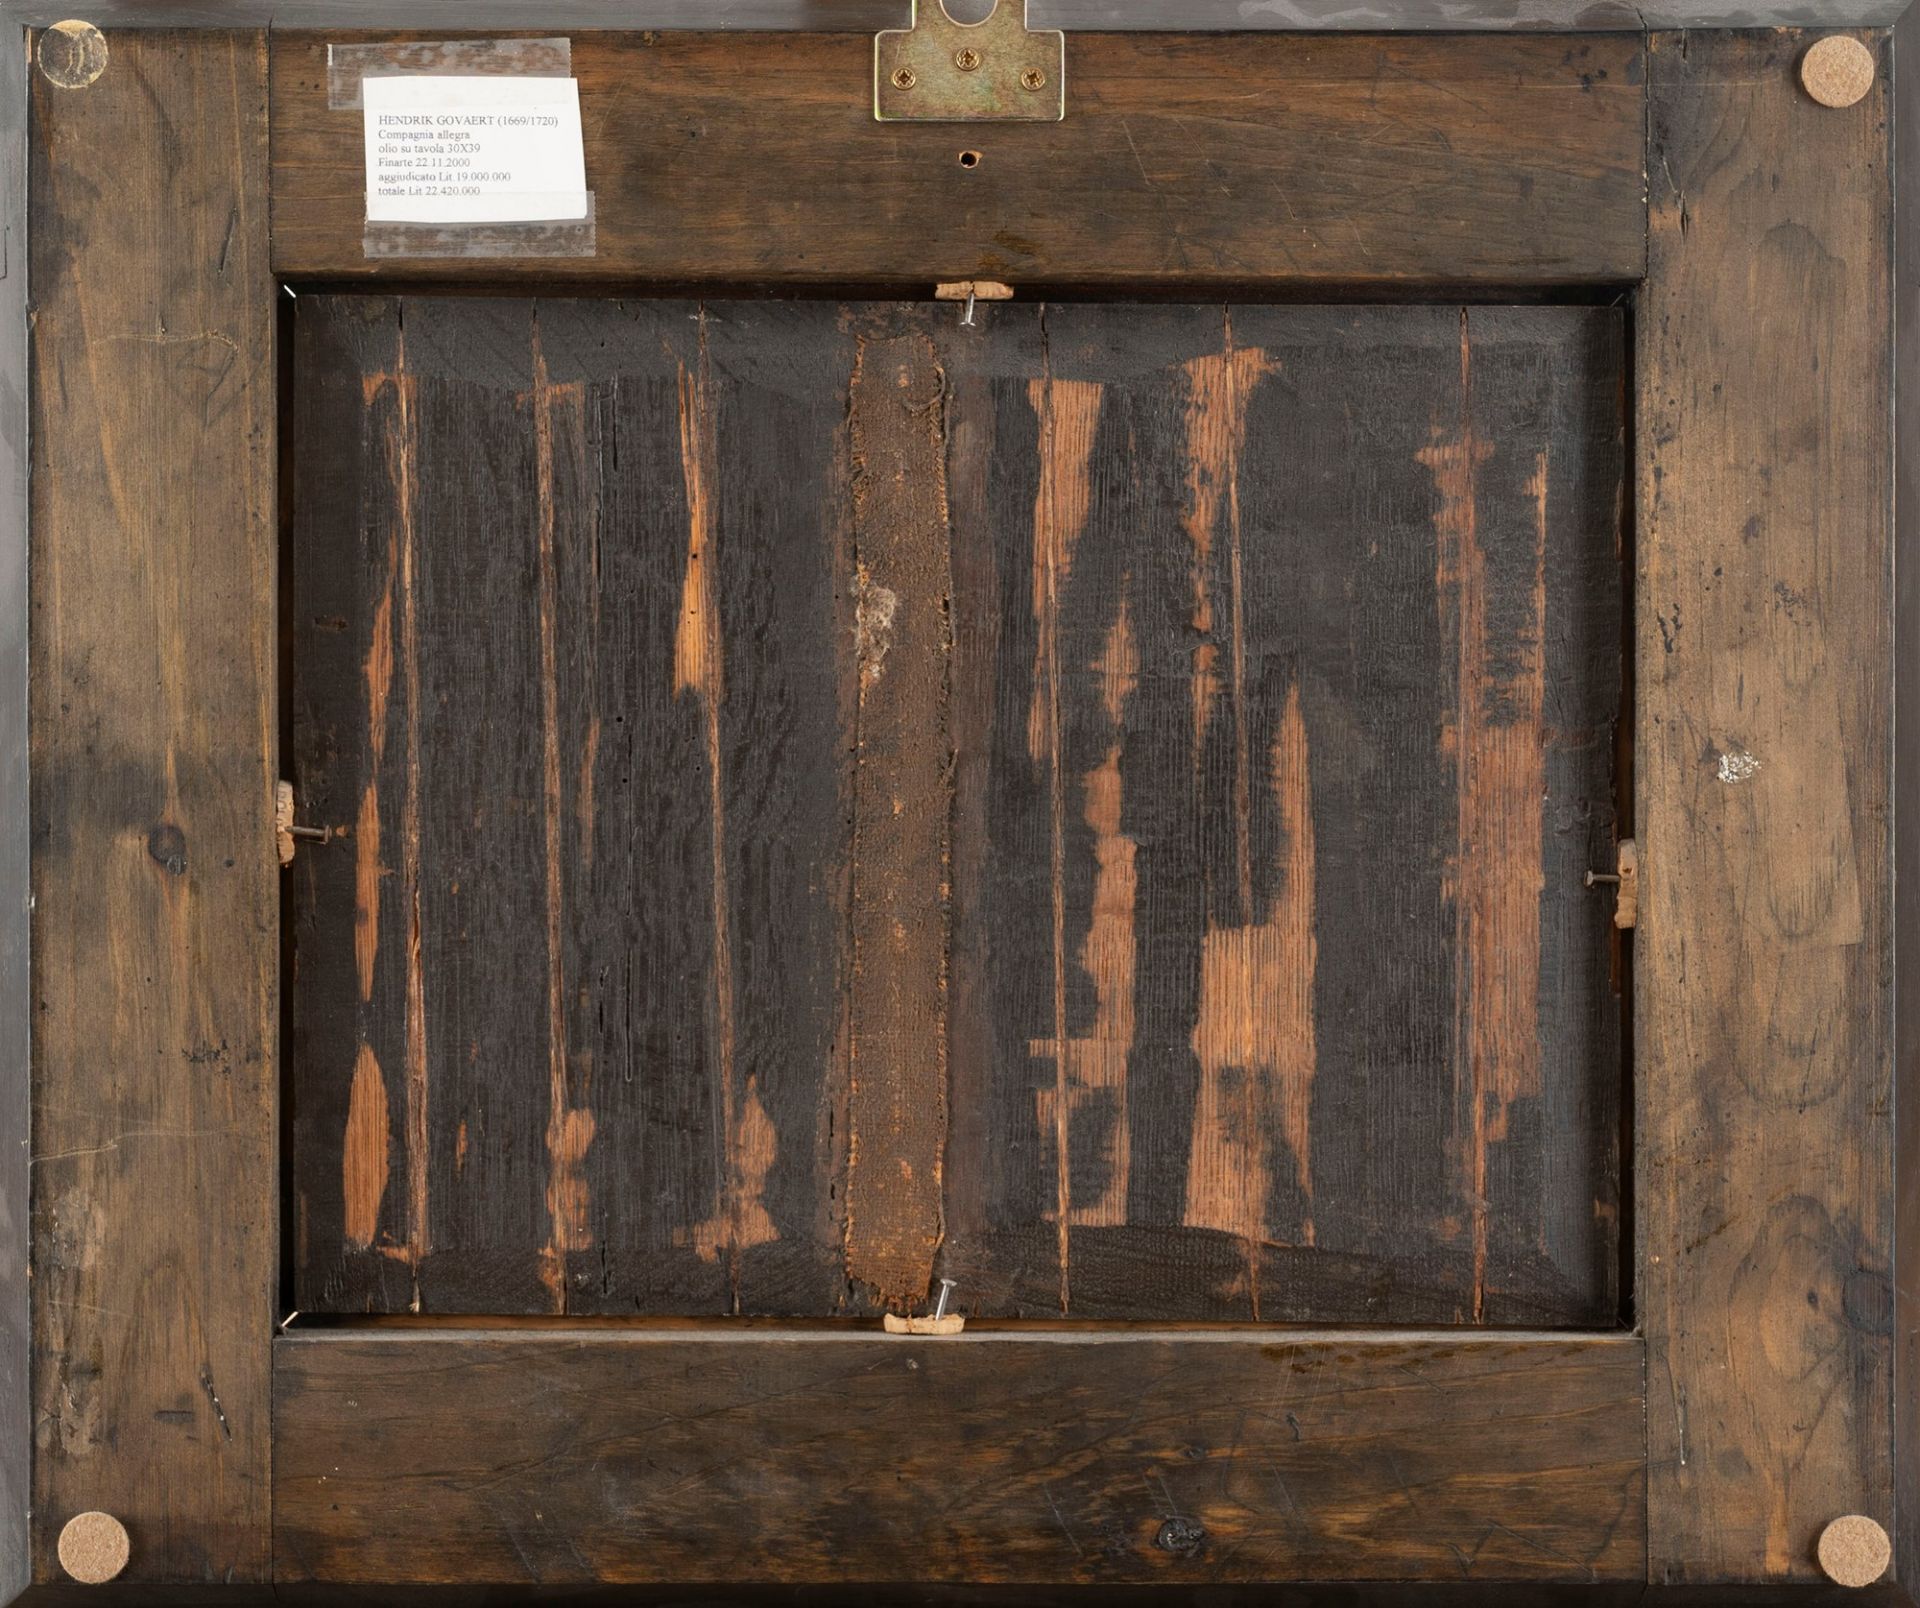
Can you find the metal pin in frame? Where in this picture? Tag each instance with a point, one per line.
(966, 318)
(946, 1285)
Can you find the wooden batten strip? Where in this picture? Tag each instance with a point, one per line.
(902, 793)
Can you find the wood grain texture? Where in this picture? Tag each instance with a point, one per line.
(994, 1458)
(1763, 1029)
(567, 1029)
(16, 875)
(1264, 794)
(897, 433)
(1906, 832)
(1316, 161)
(1288, 664)
(156, 897)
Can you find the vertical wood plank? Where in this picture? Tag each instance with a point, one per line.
(155, 926)
(1763, 952)
(599, 670)
(776, 379)
(1906, 698)
(897, 1093)
(16, 1043)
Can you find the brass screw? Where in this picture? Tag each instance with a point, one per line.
(904, 78)
(1033, 78)
(966, 60)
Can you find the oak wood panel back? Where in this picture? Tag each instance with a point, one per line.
(1273, 656)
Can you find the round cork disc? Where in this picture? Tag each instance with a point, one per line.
(93, 1548)
(1854, 1551)
(73, 54)
(1837, 70)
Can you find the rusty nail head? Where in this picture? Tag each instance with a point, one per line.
(904, 78)
(1033, 78)
(966, 60)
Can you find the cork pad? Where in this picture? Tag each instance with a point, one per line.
(93, 1548)
(1854, 1551)
(73, 54)
(952, 1323)
(1837, 70)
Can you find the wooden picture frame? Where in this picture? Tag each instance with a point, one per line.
(168, 169)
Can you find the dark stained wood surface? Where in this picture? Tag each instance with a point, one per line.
(1004, 1458)
(1762, 1009)
(1280, 700)
(566, 1032)
(16, 884)
(1312, 160)
(1289, 649)
(156, 890)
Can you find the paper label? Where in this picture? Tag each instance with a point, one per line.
(473, 150)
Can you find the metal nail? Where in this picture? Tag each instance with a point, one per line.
(940, 1306)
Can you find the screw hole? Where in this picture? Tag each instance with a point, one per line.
(969, 159)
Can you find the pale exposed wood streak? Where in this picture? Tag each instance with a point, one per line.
(1499, 758)
(1218, 386)
(740, 1218)
(1095, 1065)
(1255, 1037)
(1069, 414)
(365, 1161)
(401, 450)
(569, 1126)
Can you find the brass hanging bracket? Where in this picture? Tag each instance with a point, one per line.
(993, 71)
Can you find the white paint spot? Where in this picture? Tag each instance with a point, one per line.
(1737, 765)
